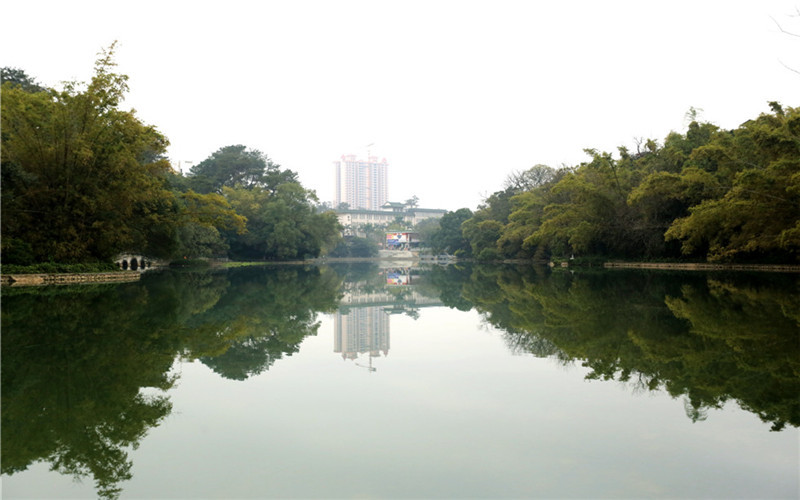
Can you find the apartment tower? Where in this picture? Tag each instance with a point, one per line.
(361, 184)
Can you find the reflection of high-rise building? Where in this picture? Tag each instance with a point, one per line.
(361, 184)
(361, 330)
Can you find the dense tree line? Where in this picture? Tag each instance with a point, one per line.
(83, 180)
(707, 194)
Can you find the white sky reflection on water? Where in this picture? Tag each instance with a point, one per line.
(448, 413)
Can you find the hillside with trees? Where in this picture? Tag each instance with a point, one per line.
(705, 195)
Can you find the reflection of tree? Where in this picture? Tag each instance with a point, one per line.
(353, 272)
(708, 340)
(755, 329)
(74, 359)
(267, 314)
(450, 280)
(73, 365)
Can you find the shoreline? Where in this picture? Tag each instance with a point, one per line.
(42, 279)
(704, 266)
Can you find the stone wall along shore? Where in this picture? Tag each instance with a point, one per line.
(67, 278)
(699, 266)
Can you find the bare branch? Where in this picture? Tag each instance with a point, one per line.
(783, 30)
(788, 67)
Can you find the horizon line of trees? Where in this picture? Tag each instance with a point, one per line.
(707, 194)
(83, 180)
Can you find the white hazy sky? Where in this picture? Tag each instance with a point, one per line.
(455, 94)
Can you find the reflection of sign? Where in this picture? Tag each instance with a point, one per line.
(396, 238)
(396, 278)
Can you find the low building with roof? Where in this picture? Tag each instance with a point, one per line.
(390, 212)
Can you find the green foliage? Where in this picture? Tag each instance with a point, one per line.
(203, 216)
(281, 223)
(426, 228)
(82, 180)
(252, 209)
(355, 247)
(18, 78)
(515, 240)
(483, 237)
(449, 238)
(706, 194)
(234, 167)
(54, 267)
(536, 176)
(757, 216)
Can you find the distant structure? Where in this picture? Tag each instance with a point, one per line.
(361, 330)
(353, 219)
(362, 323)
(361, 184)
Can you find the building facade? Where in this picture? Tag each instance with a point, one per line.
(411, 216)
(361, 184)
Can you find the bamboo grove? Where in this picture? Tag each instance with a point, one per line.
(706, 194)
(83, 180)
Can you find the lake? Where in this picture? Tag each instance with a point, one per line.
(369, 381)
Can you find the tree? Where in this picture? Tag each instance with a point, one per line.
(281, 223)
(449, 237)
(482, 236)
(758, 216)
(203, 216)
(589, 216)
(82, 179)
(537, 175)
(524, 220)
(353, 246)
(426, 228)
(283, 219)
(18, 78)
(230, 166)
(397, 224)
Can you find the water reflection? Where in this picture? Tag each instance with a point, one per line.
(264, 317)
(706, 338)
(77, 360)
(362, 322)
(86, 369)
(74, 362)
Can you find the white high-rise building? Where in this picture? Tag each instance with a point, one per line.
(361, 184)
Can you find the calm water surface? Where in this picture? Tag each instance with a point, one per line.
(363, 381)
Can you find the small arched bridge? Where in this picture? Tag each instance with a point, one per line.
(133, 262)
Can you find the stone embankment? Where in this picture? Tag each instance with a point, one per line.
(67, 278)
(698, 266)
